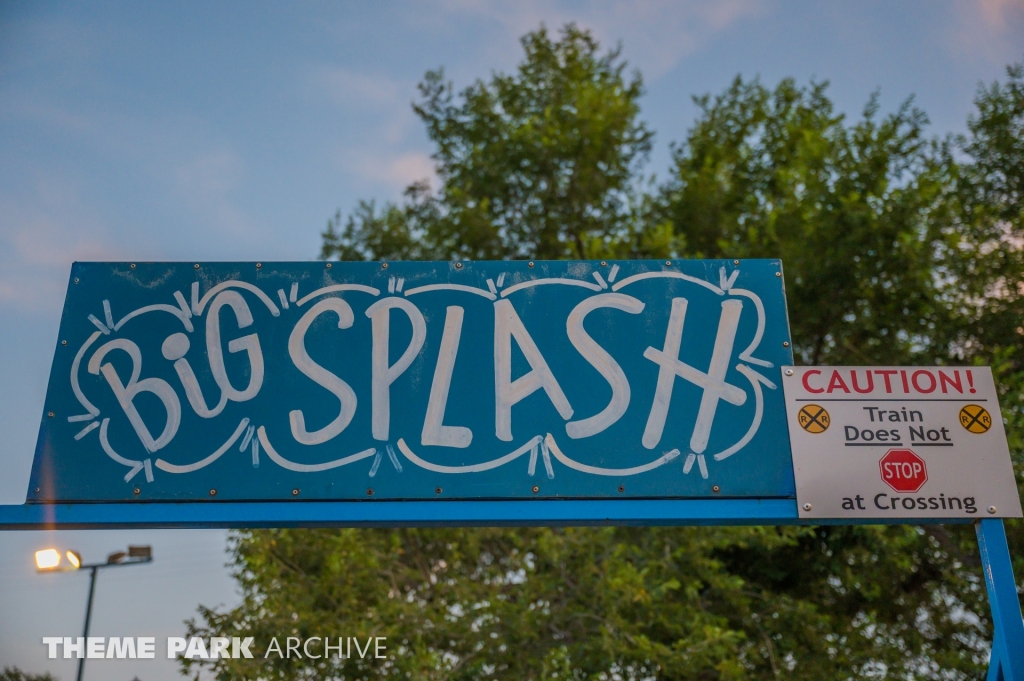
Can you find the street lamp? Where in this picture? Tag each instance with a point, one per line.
(49, 560)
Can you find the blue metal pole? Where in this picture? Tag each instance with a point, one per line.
(1007, 663)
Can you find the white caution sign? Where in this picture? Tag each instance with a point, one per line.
(898, 442)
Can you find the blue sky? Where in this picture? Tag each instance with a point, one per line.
(232, 131)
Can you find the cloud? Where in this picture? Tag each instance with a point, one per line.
(210, 174)
(40, 236)
(37, 261)
(25, 108)
(49, 243)
(357, 90)
(398, 172)
(208, 183)
(383, 103)
(997, 13)
(660, 34)
(987, 29)
(656, 34)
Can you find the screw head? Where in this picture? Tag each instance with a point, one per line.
(604, 264)
(622, 488)
(529, 264)
(295, 492)
(785, 344)
(50, 414)
(789, 372)
(458, 265)
(37, 490)
(384, 265)
(328, 265)
(991, 509)
(136, 491)
(536, 489)
(807, 507)
(716, 489)
(132, 266)
(76, 280)
(668, 263)
(778, 274)
(213, 492)
(369, 492)
(437, 490)
(735, 262)
(259, 265)
(196, 266)
(64, 342)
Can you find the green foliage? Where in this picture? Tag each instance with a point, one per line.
(672, 603)
(990, 269)
(996, 147)
(539, 164)
(15, 674)
(854, 211)
(898, 248)
(991, 196)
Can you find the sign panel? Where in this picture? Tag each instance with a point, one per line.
(476, 380)
(898, 442)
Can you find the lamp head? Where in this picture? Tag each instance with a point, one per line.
(47, 559)
(140, 552)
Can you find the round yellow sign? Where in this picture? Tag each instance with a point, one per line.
(813, 419)
(975, 418)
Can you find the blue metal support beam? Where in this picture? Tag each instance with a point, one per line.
(400, 513)
(1007, 662)
(543, 512)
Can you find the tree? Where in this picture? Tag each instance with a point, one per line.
(990, 269)
(539, 164)
(896, 252)
(887, 237)
(15, 674)
(856, 212)
(991, 239)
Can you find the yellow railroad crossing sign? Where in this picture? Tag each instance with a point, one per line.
(813, 419)
(975, 418)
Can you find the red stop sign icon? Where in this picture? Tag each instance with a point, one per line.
(903, 470)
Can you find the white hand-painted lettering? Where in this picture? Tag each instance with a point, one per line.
(384, 373)
(507, 326)
(126, 394)
(323, 377)
(174, 349)
(602, 361)
(713, 383)
(591, 289)
(249, 344)
(434, 432)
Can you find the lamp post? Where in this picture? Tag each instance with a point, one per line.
(49, 560)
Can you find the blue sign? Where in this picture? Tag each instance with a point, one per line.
(413, 380)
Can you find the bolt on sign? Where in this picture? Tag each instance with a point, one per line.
(222, 382)
(898, 442)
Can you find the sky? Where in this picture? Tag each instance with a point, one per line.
(233, 131)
